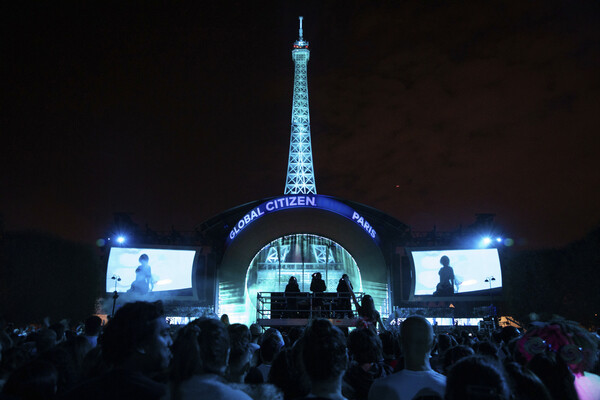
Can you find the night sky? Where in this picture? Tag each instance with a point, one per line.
(430, 111)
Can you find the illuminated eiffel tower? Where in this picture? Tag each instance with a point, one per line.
(300, 175)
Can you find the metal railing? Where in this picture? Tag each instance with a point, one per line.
(305, 305)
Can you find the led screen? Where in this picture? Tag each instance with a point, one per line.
(453, 272)
(149, 270)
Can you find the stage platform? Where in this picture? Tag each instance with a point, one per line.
(283, 322)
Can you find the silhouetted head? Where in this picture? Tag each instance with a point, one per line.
(488, 349)
(416, 336)
(287, 374)
(525, 384)
(138, 330)
(477, 377)
(445, 261)
(293, 280)
(271, 344)
(201, 347)
(367, 302)
(225, 319)
(444, 342)
(390, 344)
(240, 355)
(45, 339)
(317, 275)
(365, 346)
(323, 351)
(144, 259)
(92, 325)
(456, 353)
(554, 372)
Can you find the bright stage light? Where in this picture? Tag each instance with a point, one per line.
(121, 239)
(486, 241)
(499, 239)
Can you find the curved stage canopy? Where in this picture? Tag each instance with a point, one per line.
(267, 241)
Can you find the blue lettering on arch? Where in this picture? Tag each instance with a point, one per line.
(302, 201)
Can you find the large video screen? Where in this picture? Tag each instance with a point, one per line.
(145, 270)
(454, 272)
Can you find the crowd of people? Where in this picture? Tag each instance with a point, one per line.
(137, 354)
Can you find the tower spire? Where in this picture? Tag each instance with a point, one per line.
(300, 175)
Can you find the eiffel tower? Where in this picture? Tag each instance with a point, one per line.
(300, 175)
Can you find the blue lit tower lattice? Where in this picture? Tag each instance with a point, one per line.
(300, 176)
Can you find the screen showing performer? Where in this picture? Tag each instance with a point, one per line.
(451, 272)
(142, 271)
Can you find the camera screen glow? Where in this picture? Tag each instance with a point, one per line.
(149, 270)
(451, 272)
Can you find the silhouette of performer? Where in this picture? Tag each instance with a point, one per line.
(143, 277)
(317, 285)
(292, 286)
(292, 301)
(447, 280)
(344, 288)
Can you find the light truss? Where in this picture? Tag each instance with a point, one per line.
(300, 175)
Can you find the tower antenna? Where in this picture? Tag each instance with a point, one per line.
(300, 175)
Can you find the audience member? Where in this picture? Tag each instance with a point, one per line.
(487, 349)
(45, 339)
(555, 375)
(36, 380)
(269, 347)
(366, 364)
(92, 329)
(324, 358)
(369, 314)
(391, 350)
(564, 343)
(477, 378)
(240, 354)
(225, 319)
(455, 354)
(200, 356)
(136, 346)
(416, 335)
(288, 375)
(59, 329)
(525, 384)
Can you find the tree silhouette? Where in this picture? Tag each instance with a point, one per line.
(43, 275)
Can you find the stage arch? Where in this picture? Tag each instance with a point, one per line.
(233, 297)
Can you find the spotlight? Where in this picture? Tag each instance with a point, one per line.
(486, 241)
(121, 239)
(499, 239)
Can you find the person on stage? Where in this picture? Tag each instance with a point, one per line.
(143, 277)
(317, 285)
(345, 290)
(292, 286)
(447, 279)
(291, 299)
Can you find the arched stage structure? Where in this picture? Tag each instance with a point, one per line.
(367, 235)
